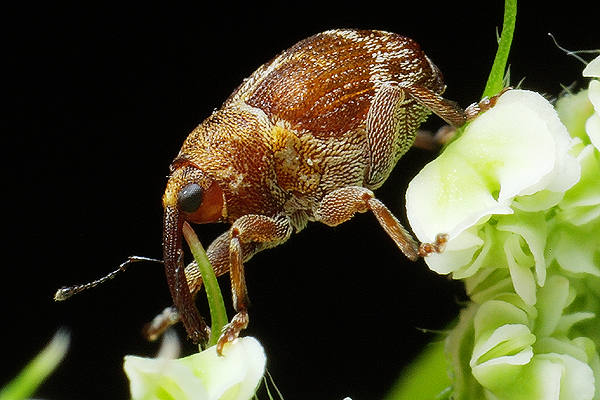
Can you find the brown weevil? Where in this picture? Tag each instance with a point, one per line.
(307, 137)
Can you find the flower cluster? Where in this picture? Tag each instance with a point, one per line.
(518, 194)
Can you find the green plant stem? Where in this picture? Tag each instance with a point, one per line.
(218, 315)
(495, 82)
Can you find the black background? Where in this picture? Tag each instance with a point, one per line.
(99, 99)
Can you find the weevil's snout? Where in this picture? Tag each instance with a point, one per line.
(189, 196)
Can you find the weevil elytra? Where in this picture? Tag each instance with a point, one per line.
(307, 137)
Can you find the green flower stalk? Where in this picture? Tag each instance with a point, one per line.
(519, 195)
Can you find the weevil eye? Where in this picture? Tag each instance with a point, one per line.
(190, 198)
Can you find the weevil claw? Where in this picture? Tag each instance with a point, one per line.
(232, 330)
(438, 246)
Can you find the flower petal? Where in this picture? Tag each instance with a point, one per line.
(587, 191)
(573, 110)
(457, 254)
(205, 375)
(448, 196)
(509, 344)
(593, 68)
(577, 249)
(577, 378)
(553, 298)
(480, 173)
(522, 133)
(496, 313)
(521, 275)
(592, 125)
(532, 228)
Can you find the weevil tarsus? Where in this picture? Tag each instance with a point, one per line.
(159, 325)
(427, 140)
(473, 110)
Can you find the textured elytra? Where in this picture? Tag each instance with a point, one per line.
(325, 84)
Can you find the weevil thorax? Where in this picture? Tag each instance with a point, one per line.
(230, 150)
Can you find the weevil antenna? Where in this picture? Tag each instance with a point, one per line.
(67, 291)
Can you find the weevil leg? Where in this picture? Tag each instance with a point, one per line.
(159, 324)
(170, 316)
(434, 141)
(340, 205)
(483, 105)
(392, 121)
(390, 131)
(218, 255)
(446, 109)
(264, 232)
(428, 141)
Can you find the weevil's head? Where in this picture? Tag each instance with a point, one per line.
(191, 195)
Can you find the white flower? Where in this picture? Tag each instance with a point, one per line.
(592, 125)
(517, 148)
(510, 164)
(205, 375)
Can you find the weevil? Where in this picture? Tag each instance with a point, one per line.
(307, 137)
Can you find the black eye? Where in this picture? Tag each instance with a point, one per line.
(189, 198)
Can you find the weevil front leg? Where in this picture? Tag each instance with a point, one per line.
(218, 256)
(258, 229)
(340, 205)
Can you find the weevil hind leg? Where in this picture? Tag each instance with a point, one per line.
(428, 141)
(447, 110)
(392, 122)
(483, 105)
(340, 205)
(434, 141)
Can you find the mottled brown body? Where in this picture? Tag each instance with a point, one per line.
(307, 137)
